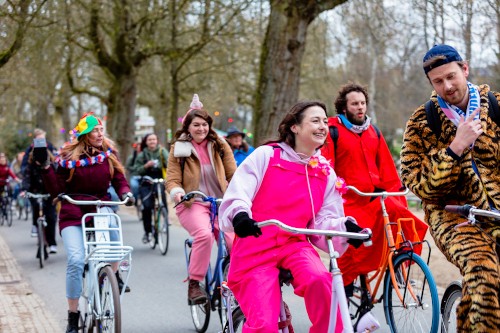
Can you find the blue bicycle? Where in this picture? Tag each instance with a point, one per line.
(200, 313)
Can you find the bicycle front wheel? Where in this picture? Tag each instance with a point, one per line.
(109, 320)
(154, 231)
(419, 309)
(238, 321)
(163, 233)
(451, 299)
(42, 250)
(8, 215)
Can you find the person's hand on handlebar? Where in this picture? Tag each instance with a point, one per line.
(244, 226)
(178, 198)
(131, 199)
(352, 226)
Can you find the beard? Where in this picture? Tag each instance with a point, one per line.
(355, 121)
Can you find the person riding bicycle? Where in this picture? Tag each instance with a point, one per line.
(458, 166)
(86, 167)
(32, 182)
(360, 146)
(5, 173)
(287, 179)
(151, 161)
(199, 160)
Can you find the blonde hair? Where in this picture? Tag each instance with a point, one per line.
(75, 149)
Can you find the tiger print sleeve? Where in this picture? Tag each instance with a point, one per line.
(426, 167)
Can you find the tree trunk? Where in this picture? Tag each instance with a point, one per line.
(279, 77)
(121, 113)
(281, 57)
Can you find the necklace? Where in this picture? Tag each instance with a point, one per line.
(99, 158)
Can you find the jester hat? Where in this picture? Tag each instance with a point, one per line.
(86, 124)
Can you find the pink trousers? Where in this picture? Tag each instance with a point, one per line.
(196, 220)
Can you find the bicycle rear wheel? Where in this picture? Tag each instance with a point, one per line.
(110, 317)
(420, 309)
(163, 232)
(451, 299)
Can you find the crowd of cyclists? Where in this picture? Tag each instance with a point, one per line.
(306, 166)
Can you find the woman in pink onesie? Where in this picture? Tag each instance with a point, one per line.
(199, 160)
(290, 181)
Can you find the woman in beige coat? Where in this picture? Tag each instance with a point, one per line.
(199, 160)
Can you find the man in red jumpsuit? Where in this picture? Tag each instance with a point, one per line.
(361, 157)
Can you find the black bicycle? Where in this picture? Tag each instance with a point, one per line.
(159, 216)
(41, 224)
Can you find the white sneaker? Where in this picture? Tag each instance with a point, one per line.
(53, 249)
(34, 231)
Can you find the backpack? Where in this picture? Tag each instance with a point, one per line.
(435, 122)
(334, 134)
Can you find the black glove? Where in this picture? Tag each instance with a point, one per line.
(244, 226)
(353, 227)
(41, 156)
(131, 200)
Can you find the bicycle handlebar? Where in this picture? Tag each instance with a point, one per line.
(470, 211)
(91, 202)
(36, 196)
(364, 234)
(152, 180)
(378, 194)
(190, 195)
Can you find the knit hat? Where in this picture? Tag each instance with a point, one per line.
(196, 104)
(86, 124)
(234, 130)
(450, 54)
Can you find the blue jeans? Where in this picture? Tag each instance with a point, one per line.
(134, 186)
(73, 244)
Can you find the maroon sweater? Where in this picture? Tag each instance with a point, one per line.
(5, 172)
(88, 183)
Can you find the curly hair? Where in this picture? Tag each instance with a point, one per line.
(340, 102)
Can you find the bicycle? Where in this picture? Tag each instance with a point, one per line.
(41, 224)
(411, 301)
(236, 318)
(100, 301)
(200, 313)
(6, 206)
(453, 293)
(159, 217)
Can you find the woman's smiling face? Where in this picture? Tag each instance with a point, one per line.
(198, 129)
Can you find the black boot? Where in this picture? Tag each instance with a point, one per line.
(73, 319)
(120, 283)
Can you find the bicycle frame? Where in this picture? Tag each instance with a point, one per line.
(339, 299)
(391, 247)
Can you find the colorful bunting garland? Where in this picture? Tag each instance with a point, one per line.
(68, 164)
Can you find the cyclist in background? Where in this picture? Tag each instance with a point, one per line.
(287, 179)
(199, 160)
(86, 167)
(151, 161)
(362, 158)
(32, 182)
(15, 166)
(5, 173)
(236, 139)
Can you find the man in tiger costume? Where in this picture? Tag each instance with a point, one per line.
(459, 165)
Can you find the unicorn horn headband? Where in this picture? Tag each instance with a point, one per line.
(196, 104)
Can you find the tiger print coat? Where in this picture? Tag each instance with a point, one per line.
(438, 179)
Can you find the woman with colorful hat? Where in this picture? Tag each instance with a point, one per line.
(86, 168)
